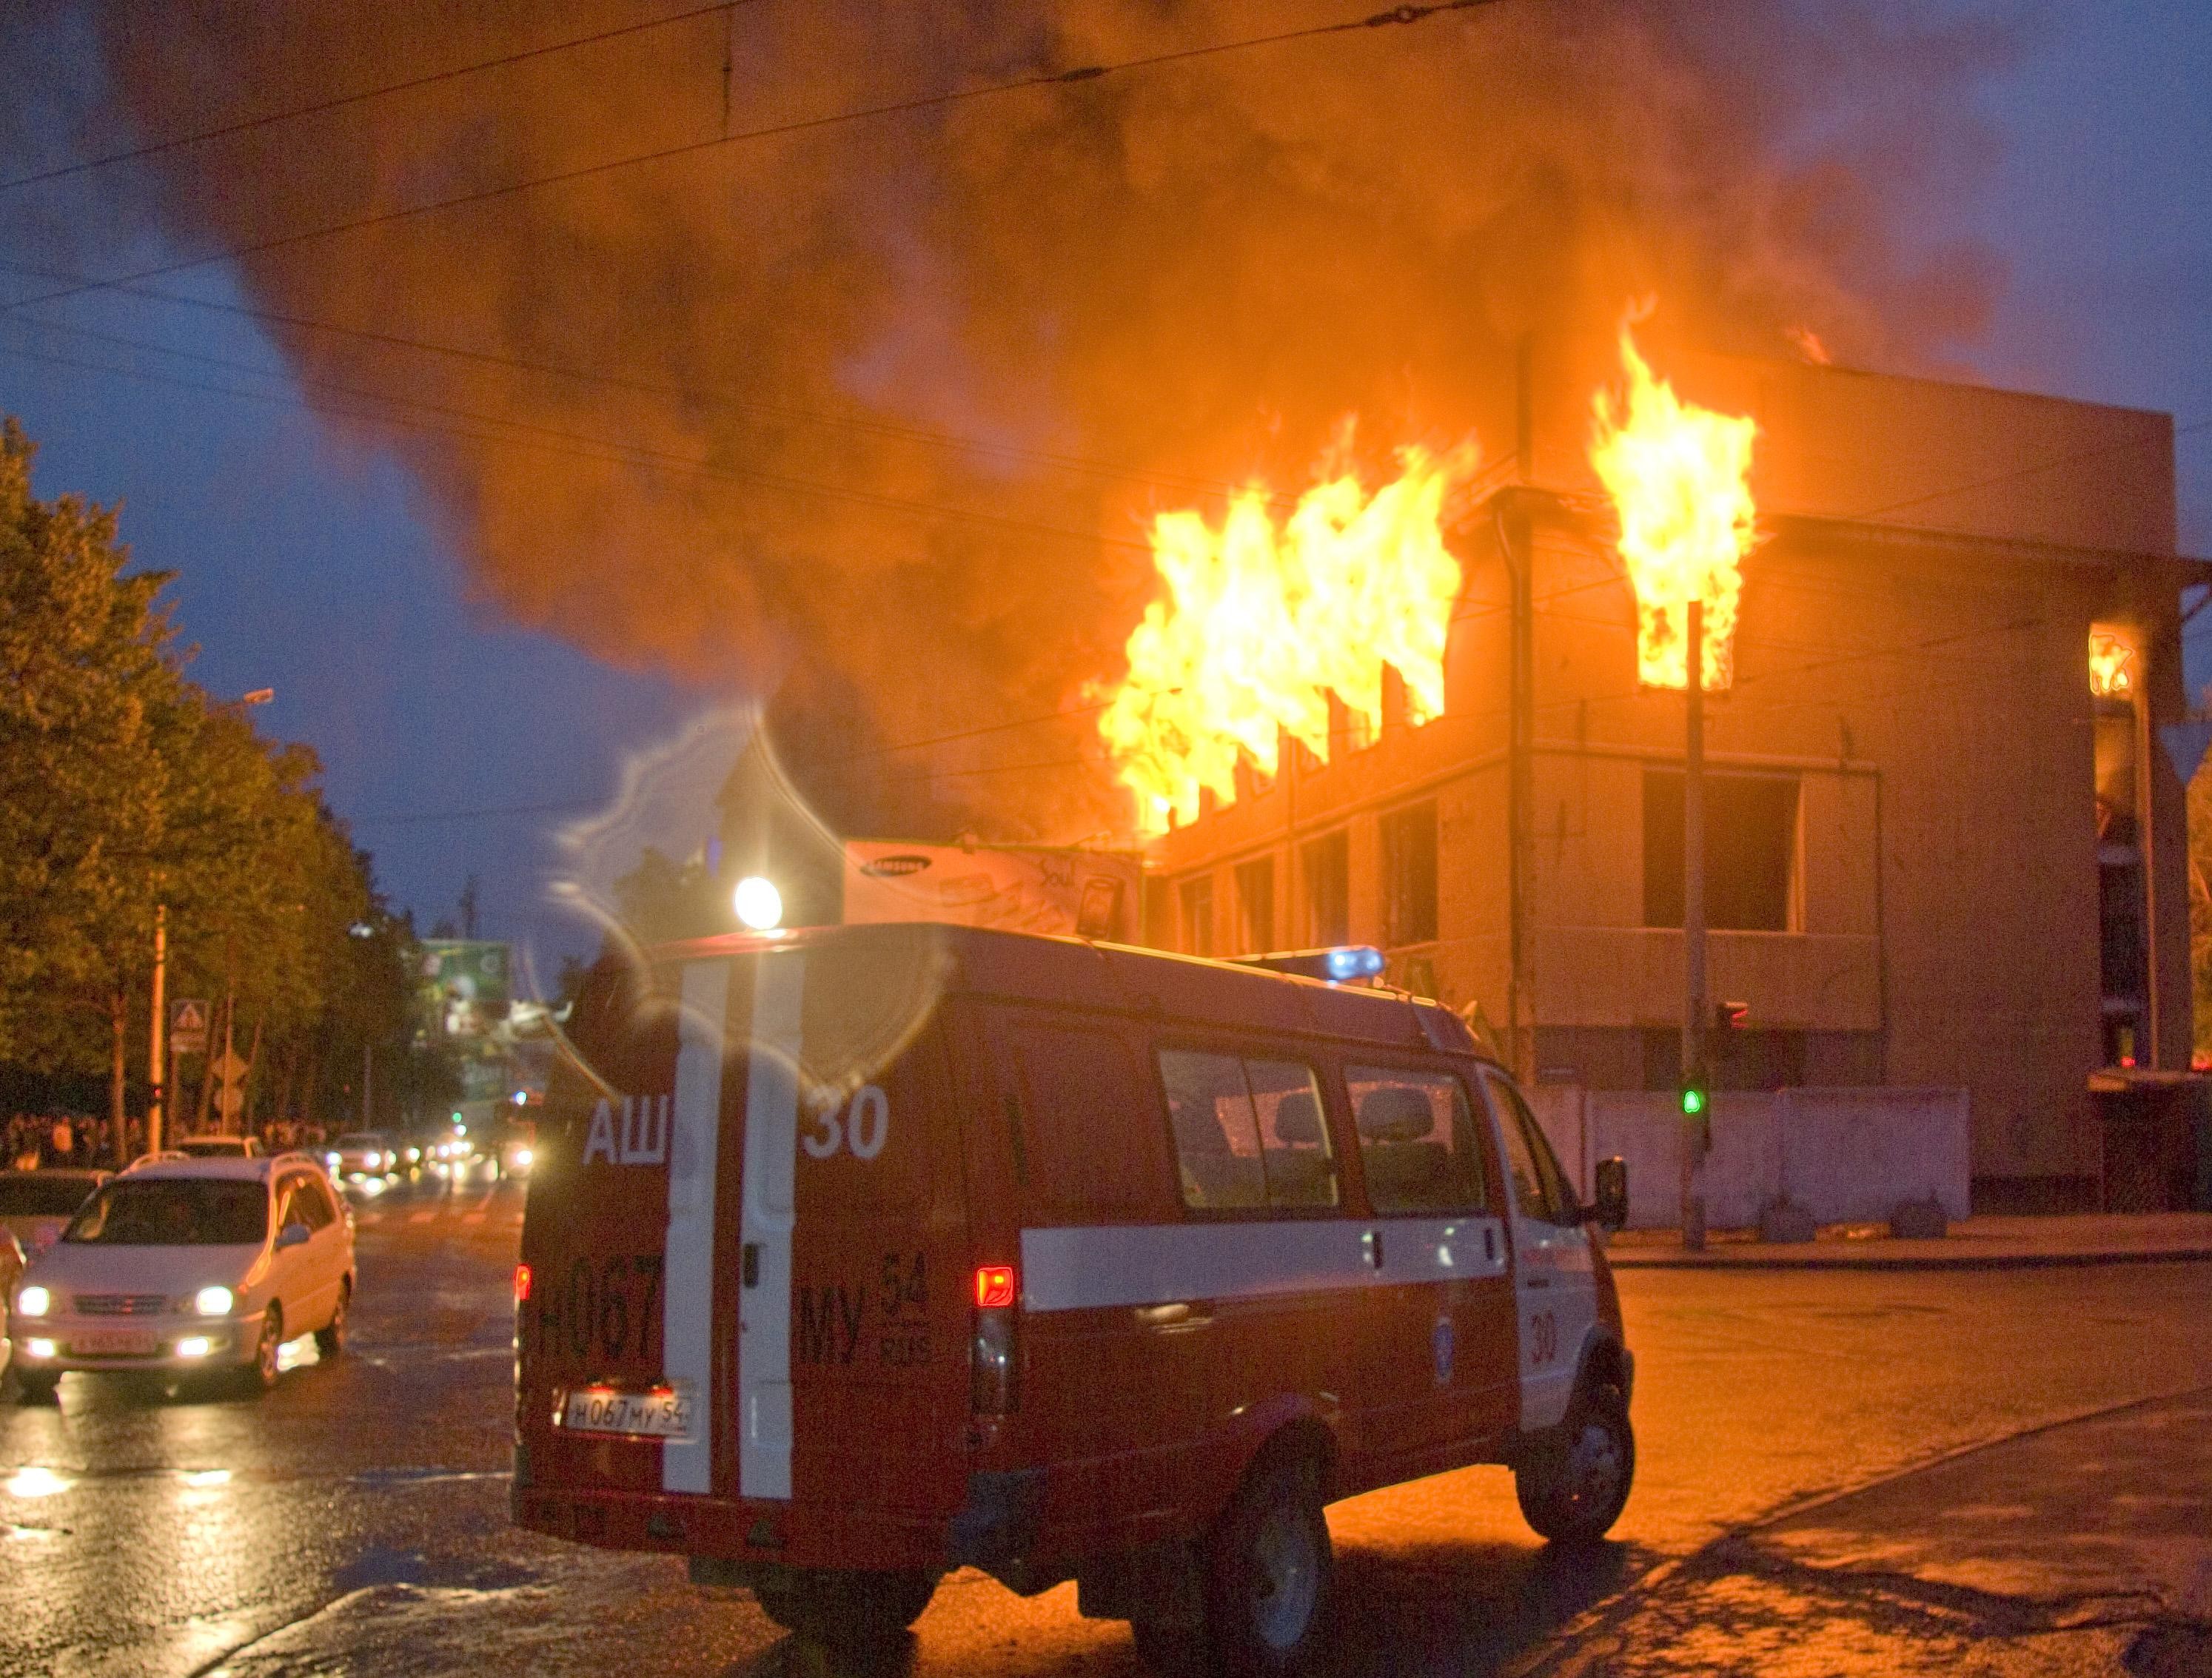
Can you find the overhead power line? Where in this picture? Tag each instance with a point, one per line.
(246, 124)
(549, 440)
(1400, 14)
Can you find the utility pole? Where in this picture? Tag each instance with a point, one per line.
(367, 1121)
(1697, 1126)
(156, 1085)
(1521, 706)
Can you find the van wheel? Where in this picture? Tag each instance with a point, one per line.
(1270, 1574)
(1574, 1486)
(847, 1610)
(330, 1339)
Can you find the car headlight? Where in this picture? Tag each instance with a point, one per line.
(333, 1161)
(372, 1160)
(414, 1154)
(214, 1301)
(522, 1156)
(34, 1301)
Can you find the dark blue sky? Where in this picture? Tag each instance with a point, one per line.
(324, 575)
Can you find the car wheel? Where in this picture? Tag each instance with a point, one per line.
(37, 1386)
(330, 1339)
(849, 1611)
(261, 1374)
(1270, 1574)
(1574, 1486)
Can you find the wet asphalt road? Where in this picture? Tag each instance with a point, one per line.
(1840, 1473)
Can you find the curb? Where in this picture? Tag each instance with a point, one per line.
(1675, 1260)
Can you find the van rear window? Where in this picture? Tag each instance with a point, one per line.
(1248, 1133)
(1419, 1146)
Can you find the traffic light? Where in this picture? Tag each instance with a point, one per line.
(1728, 1016)
(1694, 1097)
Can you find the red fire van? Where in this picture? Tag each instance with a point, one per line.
(856, 1254)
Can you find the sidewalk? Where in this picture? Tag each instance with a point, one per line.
(1974, 1243)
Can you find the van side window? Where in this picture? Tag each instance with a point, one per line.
(1093, 1142)
(1417, 1142)
(1540, 1187)
(1294, 1152)
(1248, 1133)
(1217, 1136)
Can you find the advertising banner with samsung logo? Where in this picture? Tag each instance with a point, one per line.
(1013, 888)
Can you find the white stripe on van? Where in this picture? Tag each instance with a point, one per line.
(1160, 1264)
(765, 1225)
(687, 1319)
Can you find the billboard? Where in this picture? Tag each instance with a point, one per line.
(1011, 888)
(462, 998)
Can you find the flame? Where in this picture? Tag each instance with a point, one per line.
(1678, 476)
(1261, 622)
(2111, 664)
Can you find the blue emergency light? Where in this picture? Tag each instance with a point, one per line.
(1339, 964)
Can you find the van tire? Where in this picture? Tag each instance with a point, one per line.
(1574, 1483)
(846, 1610)
(1270, 1575)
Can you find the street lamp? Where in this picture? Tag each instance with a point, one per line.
(758, 904)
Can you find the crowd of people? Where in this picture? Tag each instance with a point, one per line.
(66, 1139)
(63, 1140)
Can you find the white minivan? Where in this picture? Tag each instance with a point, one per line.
(183, 1266)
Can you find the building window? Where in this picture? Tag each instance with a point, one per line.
(1327, 866)
(1750, 850)
(1198, 915)
(1255, 906)
(1409, 875)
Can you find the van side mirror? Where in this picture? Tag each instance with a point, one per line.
(292, 1234)
(1611, 1207)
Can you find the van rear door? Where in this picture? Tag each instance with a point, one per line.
(744, 1256)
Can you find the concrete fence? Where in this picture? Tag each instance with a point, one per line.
(1845, 1155)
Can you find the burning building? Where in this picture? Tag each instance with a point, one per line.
(1944, 791)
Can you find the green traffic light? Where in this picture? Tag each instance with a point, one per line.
(1693, 1103)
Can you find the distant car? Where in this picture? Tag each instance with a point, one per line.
(219, 1147)
(513, 1149)
(365, 1156)
(180, 1266)
(35, 1206)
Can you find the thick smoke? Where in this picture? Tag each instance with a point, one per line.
(1115, 292)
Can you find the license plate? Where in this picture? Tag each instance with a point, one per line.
(113, 1342)
(655, 1415)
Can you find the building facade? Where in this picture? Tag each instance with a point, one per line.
(1941, 851)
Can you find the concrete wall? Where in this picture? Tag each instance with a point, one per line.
(1848, 1156)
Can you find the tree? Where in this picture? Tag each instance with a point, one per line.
(124, 786)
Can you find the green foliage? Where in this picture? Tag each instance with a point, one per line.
(123, 785)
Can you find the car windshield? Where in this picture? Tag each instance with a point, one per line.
(36, 1194)
(212, 1145)
(174, 1212)
(360, 1139)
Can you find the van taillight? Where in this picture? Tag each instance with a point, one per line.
(993, 1361)
(521, 1283)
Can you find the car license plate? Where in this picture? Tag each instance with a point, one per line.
(663, 1414)
(113, 1342)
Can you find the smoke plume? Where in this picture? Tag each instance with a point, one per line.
(876, 412)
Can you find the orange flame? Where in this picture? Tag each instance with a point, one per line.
(1261, 624)
(2111, 664)
(1678, 476)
